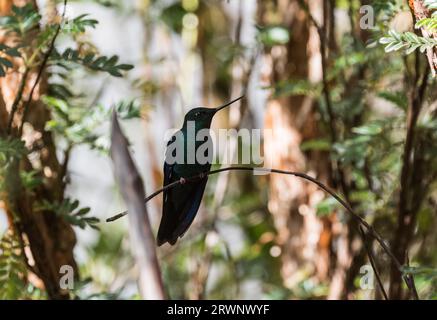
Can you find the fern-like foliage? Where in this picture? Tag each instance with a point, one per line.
(294, 87)
(79, 24)
(12, 268)
(21, 20)
(69, 210)
(431, 22)
(77, 123)
(409, 41)
(11, 148)
(93, 61)
(6, 53)
(427, 23)
(26, 18)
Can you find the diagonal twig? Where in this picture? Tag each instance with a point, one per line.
(304, 176)
(41, 69)
(373, 263)
(17, 100)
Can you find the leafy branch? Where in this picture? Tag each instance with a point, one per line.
(22, 20)
(93, 62)
(6, 63)
(79, 24)
(12, 268)
(396, 41)
(77, 122)
(431, 22)
(41, 68)
(11, 148)
(70, 211)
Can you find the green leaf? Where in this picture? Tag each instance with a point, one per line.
(273, 35)
(398, 98)
(102, 63)
(294, 87)
(327, 206)
(69, 211)
(371, 129)
(316, 144)
(10, 149)
(408, 40)
(12, 268)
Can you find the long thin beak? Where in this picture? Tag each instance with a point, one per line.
(228, 104)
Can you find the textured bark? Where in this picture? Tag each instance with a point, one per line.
(50, 238)
(413, 183)
(420, 11)
(304, 238)
(414, 178)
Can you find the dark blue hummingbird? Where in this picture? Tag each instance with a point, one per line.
(189, 153)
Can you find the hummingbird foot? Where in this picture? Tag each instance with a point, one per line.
(182, 181)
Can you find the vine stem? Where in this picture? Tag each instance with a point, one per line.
(371, 231)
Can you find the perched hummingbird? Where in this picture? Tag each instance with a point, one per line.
(181, 202)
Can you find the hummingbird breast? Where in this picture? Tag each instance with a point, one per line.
(191, 156)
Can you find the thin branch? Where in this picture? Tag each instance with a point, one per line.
(41, 69)
(321, 30)
(411, 280)
(17, 100)
(373, 263)
(305, 8)
(359, 219)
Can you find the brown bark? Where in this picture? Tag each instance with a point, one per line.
(412, 177)
(304, 238)
(420, 11)
(50, 238)
(308, 56)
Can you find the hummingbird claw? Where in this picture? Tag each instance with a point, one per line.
(182, 181)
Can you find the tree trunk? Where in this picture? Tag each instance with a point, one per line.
(304, 238)
(50, 238)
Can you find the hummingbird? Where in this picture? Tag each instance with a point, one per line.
(181, 203)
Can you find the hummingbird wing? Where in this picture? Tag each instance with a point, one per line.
(167, 221)
(180, 206)
(181, 203)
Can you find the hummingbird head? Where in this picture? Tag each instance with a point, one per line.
(200, 115)
(203, 116)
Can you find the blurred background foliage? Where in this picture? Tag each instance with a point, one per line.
(344, 119)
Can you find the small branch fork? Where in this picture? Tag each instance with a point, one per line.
(370, 230)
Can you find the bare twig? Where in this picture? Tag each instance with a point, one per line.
(304, 176)
(17, 100)
(373, 263)
(411, 280)
(41, 69)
